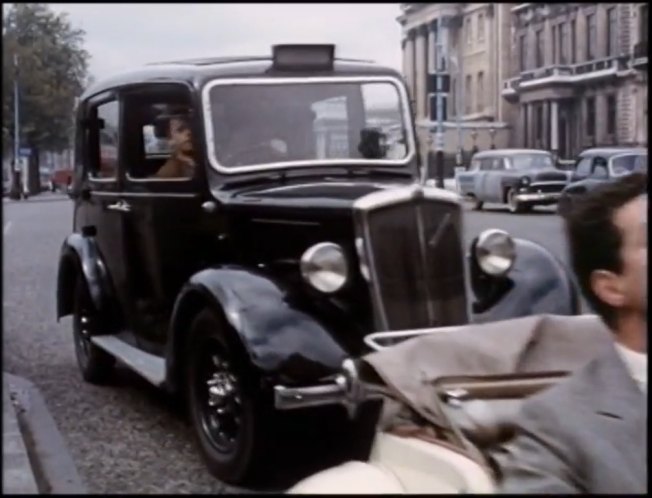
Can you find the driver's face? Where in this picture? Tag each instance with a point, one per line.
(180, 135)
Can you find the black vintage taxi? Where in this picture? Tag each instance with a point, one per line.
(242, 223)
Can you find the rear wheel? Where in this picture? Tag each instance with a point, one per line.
(230, 415)
(476, 204)
(95, 364)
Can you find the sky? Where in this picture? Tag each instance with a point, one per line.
(124, 36)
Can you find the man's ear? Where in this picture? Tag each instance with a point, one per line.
(608, 287)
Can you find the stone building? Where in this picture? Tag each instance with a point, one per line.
(475, 43)
(578, 75)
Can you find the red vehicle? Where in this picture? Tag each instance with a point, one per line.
(60, 179)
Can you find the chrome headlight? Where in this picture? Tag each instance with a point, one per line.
(525, 181)
(324, 266)
(495, 252)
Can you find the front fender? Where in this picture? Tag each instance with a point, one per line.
(538, 283)
(280, 339)
(582, 186)
(80, 254)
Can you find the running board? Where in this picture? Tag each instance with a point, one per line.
(149, 366)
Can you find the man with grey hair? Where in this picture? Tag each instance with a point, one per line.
(588, 434)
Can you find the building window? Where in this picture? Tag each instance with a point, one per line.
(591, 37)
(467, 31)
(573, 47)
(590, 118)
(539, 48)
(563, 43)
(467, 95)
(555, 59)
(522, 52)
(480, 97)
(612, 32)
(611, 115)
(481, 27)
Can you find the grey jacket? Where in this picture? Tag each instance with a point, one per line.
(587, 434)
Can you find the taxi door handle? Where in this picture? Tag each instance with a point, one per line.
(121, 206)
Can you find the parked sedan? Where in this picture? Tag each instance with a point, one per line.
(599, 165)
(520, 178)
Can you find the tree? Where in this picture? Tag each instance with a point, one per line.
(52, 71)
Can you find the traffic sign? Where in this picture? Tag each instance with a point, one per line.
(25, 152)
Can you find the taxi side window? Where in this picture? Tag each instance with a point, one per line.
(104, 141)
(157, 138)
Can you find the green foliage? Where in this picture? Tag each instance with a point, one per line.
(52, 72)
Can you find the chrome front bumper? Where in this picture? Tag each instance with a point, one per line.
(345, 389)
(538, 197)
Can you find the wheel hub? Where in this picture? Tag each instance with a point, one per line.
(222, 404)
(221, 387)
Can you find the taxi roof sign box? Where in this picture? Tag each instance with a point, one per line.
(303, 57)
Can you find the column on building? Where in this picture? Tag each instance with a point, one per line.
(432, 57)
(409, 62)
(523, 125)
(529, 132)
(424, 33)
(420, 71)
(554, 126)
(405, 66)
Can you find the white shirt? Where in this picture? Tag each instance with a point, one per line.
(636, 364)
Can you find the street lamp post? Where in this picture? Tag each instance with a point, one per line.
(474, 136)
(455, 62)
(15, 181)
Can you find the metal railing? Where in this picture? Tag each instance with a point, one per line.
(617, 63)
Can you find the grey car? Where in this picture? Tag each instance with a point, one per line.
(520, 178)
(600, 165)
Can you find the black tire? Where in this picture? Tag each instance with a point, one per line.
(95, 365)
(477, 205)
(234, 454)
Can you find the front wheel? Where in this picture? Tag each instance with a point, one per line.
(227, 409)
(515, 206)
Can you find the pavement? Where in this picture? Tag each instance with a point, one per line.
(17, 473)
(46, 196)
(35, 459)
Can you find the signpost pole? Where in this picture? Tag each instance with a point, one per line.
(441, 69)
(15, 169)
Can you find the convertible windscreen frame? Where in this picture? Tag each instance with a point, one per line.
(408, 125)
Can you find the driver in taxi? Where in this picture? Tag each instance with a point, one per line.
(181, 163)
